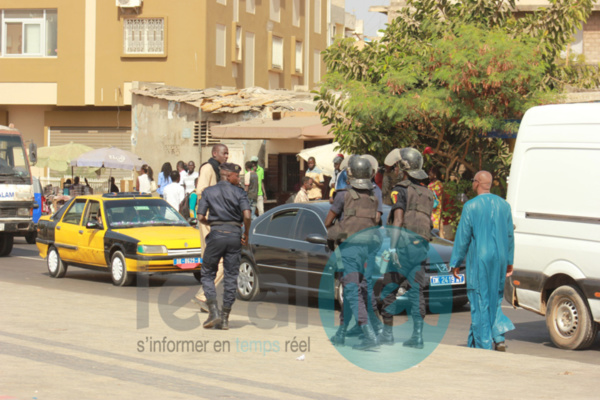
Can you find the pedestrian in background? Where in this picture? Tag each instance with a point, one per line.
(113, 187)
(485, 238)
(337, 162)
(435, 185)
(228, 208)
(77, 188)
(174, 193)
(143, 180)
(209, 176)
(262, 193)
(164, 178)
(190, 178)
(302, 195)
(314, 172)
(182, 169)
(251, 186)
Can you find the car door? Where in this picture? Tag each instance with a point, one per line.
(66, 234)
(272, 240)
(309, 259)
(91, 239)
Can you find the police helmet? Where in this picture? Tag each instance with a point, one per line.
(409, 160)
(360, 172)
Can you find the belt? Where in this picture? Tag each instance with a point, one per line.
(217, 223)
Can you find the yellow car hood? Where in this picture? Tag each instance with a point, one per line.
(174, 237)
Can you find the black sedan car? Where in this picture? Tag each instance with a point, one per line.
(287, 251)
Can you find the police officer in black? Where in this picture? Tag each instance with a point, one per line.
(228, 207)
(359, 207)
(409, 243)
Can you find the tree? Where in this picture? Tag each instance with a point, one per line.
(445, 74)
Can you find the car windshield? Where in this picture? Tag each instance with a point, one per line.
(135, 213)
(13, 162)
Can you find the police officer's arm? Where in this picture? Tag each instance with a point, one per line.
(398, 220)
(202, 210)
(247, 222)
(331, 216)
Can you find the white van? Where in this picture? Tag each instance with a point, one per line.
(554, 193)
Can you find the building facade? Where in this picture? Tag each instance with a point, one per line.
(67, 67)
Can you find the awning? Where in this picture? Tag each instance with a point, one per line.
(304, 128)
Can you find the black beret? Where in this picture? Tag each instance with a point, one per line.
(230, 167)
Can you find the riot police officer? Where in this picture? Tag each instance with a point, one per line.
(228, 206)
(359, 207)
(409, 242)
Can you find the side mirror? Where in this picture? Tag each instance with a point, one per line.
(193, 221)
(32, 153)
(92, 225)
(316, 238)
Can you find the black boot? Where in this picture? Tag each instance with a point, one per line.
(416, 340)
(214, 317)
(387, 334)
(340, 336)
(225, 318)
(375, 323)
(370, 340)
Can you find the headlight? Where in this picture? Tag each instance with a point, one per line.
(142, 249)
(23, 212)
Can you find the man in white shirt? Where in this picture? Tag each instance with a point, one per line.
(174, 192)
(190, 178)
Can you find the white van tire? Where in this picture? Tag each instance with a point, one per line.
(569, 319)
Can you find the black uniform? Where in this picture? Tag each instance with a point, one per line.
(225, 204)
(412, 251)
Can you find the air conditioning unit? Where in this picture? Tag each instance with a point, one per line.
(129, 3)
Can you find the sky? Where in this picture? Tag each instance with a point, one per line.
(373, 21)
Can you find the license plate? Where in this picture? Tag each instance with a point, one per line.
(445, 280)
(187, 261)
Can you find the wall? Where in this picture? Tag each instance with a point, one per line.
(591, 38)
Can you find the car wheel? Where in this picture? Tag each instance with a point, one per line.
(30, 237)
(569, 320)
(118, 270)
(248, 287)
(6, 244)
(198, 276)
(56, 267)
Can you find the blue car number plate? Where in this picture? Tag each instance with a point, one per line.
(445, 280)
(192, 260)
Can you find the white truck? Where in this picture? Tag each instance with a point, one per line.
(16, 189)
(554, 193)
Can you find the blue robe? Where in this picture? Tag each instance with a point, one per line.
(485, 238)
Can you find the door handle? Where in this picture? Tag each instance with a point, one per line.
(81, 232)
(58, 228)
(292, 250)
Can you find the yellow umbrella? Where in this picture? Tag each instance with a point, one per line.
(58, 158)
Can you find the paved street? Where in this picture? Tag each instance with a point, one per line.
(81, 337)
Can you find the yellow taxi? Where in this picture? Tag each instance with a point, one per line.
(125, 234)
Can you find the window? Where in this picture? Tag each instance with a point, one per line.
(224, 2)
(317, 18)
(309, 223)
(202, 133)
(296, 13)
(277, 56)
(282, 224)
(317, 66)
(251, 6)
(93, 213)
(144, 36)
(275, 11)
(299, 60)
(73, 216)
(221, 43)
(28, 33)
(237, 55)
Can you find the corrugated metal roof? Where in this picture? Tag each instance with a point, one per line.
(232, 101)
